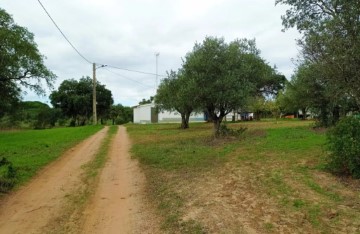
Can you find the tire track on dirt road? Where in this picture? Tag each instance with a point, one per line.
(29, 209)
(119, 204)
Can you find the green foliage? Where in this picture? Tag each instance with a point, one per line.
(227, 74)
(177, 92)
(31, 109)
(146, 101)
(225, 131)
(330, 41)
(344, 146)
(223, 71)
(308, 92)
(21, 64)
(31, 114)
(7, 175)
(120, 114)
(28, 151)
(47, 118)
(74, 98)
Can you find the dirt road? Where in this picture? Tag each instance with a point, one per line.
(114, 208)
(118, 205)
(29, 209)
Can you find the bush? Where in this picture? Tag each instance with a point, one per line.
(7, 175)
(344, 146)
(224, 131)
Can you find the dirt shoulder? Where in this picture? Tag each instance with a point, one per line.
(29, 209)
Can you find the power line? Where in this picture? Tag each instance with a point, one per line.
(82, 56)
(147, 86)
(142, 72)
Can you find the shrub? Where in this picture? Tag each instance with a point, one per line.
(344, 145)
(7, 175)
(225, 131)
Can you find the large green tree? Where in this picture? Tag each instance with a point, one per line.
(74, 98)
(21, 64)
(226, 74)
(177, 93)
(330, 40)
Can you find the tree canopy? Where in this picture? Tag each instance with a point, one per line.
(21, 64)
(330, 40)
(177, 93)
(227, 74)
(74, 98)
(146, 101)
(120, 114)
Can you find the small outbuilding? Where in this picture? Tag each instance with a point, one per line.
(145, 113)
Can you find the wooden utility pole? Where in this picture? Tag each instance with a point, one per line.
(94, 94)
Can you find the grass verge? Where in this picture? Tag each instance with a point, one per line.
(29, 151)
(273, 179)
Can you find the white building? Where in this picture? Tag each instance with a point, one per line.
(147, 114)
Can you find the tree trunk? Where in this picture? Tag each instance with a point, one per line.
(335, 114)
(303, 113)
(184, 122)
(217, 122)
(187, 118)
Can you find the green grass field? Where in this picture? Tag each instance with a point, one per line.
(274, 174)
(31, 150)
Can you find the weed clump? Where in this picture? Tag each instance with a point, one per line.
(224, 131)
(7, 175)
(344, 147)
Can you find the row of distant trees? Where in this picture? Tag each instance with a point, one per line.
(72, 106)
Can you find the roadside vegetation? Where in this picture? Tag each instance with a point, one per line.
(272, 178)
(24, 153)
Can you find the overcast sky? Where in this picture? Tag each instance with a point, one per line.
(127, 34)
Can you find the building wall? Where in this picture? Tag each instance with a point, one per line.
(142, 113)
(175, 117)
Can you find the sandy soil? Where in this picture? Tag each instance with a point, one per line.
(119, 205)
(232, 200)
(29, 209)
